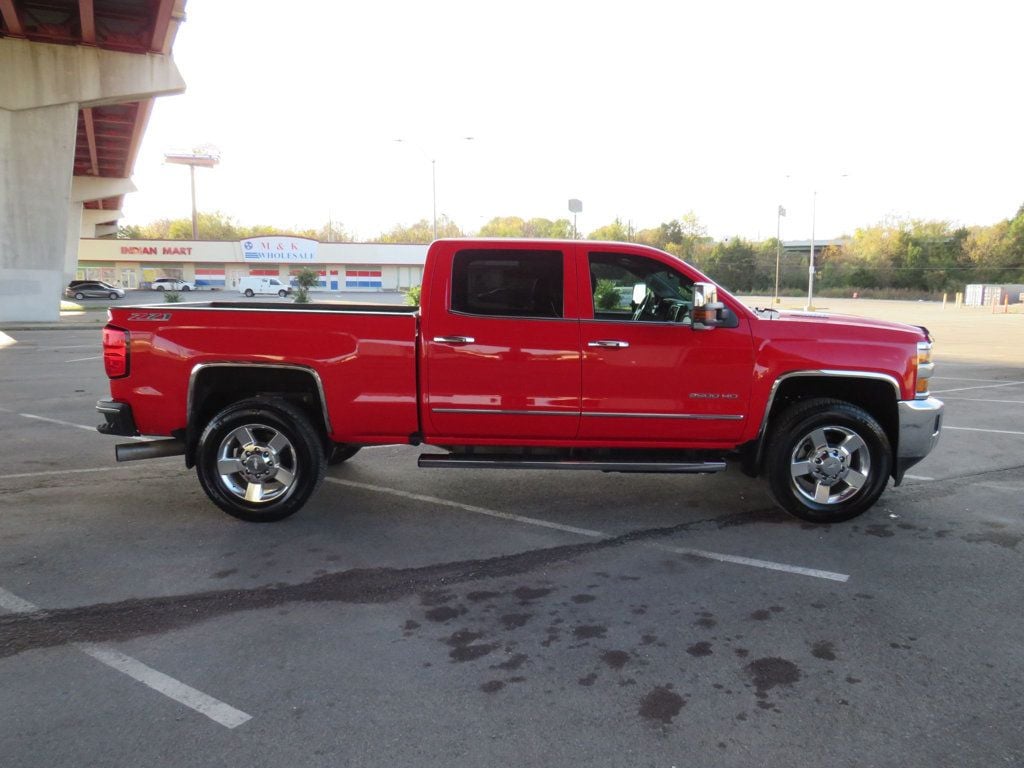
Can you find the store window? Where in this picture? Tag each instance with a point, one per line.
(364, 277)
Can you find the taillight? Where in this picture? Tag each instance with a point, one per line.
(115, 352)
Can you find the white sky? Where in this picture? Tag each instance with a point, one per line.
(643, 110)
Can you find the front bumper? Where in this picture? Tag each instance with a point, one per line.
(920, 424)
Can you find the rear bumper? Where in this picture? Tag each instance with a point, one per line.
(119, 418)
(920, 425)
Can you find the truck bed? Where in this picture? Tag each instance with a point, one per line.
(362, 357)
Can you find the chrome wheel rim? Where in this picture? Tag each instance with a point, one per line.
(257, 464)
(830, 465)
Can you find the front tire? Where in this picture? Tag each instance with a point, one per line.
(282, 294)
(827, 460)
(260, 460)
(185, 288)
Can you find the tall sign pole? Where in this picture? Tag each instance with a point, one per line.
(193, 159)
(575, 206)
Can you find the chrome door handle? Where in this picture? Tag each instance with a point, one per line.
(608, 343)
(454, 339)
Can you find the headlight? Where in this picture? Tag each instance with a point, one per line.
(925, 368)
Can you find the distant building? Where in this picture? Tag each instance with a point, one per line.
(220, 265)
(804, 246)
(986, 294)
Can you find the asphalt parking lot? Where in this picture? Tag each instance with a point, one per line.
(418, 617)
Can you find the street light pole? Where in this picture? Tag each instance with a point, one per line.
(433, 177)
(195, 212)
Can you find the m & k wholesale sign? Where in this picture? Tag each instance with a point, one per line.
(279, 249)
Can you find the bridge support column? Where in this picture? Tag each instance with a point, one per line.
(42, 88)
(37, 153)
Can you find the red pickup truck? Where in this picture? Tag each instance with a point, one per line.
(526, 354)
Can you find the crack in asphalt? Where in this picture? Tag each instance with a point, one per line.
(148, 616)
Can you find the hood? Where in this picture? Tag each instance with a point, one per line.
(845, 321)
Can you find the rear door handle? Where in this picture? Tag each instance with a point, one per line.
(608, 343)
(454, 339)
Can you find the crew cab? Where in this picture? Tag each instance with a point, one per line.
(542, 354)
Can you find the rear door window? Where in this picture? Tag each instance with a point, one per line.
(508, 283)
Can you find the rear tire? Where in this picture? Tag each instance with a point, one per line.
(79, 296)
(185, 288)
(248, 293)
(827, 460)
(260, 460)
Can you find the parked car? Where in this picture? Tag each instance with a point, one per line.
(250, 286)
(93, 289)
(172, 284)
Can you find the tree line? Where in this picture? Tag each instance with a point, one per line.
(895, 258)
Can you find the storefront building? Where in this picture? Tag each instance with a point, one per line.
(220, 265)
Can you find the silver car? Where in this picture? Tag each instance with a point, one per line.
(93, 289)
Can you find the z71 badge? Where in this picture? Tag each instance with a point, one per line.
(150, 316)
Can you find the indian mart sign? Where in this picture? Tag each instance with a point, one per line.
(278, 249)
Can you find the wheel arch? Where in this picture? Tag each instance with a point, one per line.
(876, 393)
(213, 386)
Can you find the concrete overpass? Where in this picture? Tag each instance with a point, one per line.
(77, 83)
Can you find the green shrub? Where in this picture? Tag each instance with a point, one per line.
(412, 296)
(172, 297)
(305, 279)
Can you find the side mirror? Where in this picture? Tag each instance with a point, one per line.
(707, 309)
(639, 293)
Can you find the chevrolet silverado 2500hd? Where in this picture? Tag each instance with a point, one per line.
(526, 354)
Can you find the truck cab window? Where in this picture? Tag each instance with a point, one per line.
(508, 283)
(634, 288)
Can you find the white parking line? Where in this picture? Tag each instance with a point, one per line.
(470, 508)
(983, 386)
(965, 378)
(57, 472)
(11, 603)
(977, 429)
(735, 559)
(985, 400)
(57, 421)
(86, 427)
(218, 711)
(917, 477)
(83, 359)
